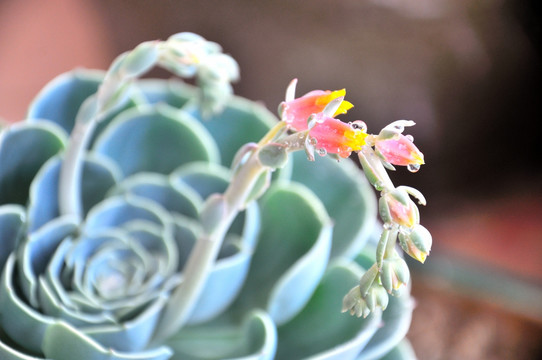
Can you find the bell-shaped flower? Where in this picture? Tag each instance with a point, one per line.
(360, 306)
(397, 207)
(336, 137)
(399, 150)
(295, 112)
(416, 242)
(394, 273)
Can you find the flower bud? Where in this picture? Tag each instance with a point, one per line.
(397, 207)
(359, 306)
(273, 155)
(399, 150)
(416, 242)
(394, 273)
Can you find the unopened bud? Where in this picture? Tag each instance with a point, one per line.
(394, 273)
(397, 207)
(416, 242)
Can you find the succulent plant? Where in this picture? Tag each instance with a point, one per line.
(153, 219)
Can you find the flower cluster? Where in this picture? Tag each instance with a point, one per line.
(313, 115)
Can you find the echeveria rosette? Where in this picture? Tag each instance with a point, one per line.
(99, 288)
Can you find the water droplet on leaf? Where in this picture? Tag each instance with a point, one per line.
(410, 137)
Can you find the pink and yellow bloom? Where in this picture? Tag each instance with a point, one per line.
(337, 137)
(399, 150)
(297, 111)
(332, 136)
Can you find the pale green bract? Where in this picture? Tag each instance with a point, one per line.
(97, 287)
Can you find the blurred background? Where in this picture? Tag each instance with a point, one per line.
(468, 72)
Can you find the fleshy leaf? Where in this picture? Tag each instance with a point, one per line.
(172, 92)
(121, 211)
(321, 331)
(59, 101)
(155, 139)
(12, 221)
(205, 178)
(99, 175)
(24, 148)
(347, 196)
(62, 341)
(241, 122)
(130, 336)
(222, 286)
(175, 198)
(255, 339)
(34, 254)
(10, 351)
(292, 252)
(403, 351)
(23, 324)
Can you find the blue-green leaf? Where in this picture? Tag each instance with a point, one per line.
(60, 100)
(12, 221)
(99, 175)
(403, 351)
(242, 121)
(254, 339)
(173, 197)
(130, 336)
(206, 178)
(62, 341)
(347, 196)
(223, 284)
(291, 254)
(122, 211)
(155, 139)
(10, 351)
(34, 254)
(172, 92)
(24, 325)
(24, 148)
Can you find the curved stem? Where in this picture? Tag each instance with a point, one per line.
(374, 170)
(69, 199)
(201, 259)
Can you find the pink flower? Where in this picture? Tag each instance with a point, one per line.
(336, 137)
(399, 150)
(295, 112)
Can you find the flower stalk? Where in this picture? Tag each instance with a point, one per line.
(185, 54)
(217, 216)
(376, 153)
